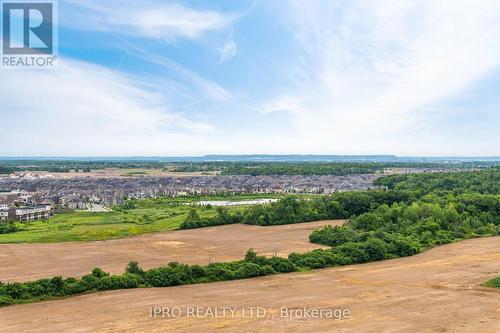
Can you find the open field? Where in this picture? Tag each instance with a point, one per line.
(149, 215)
(115, 173)
(87, 226)
(437, 291)
(146, 216)
(22, 262)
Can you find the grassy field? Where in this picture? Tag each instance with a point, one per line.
(144, 216)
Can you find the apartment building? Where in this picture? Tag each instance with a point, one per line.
(4, 212)
(30, 213)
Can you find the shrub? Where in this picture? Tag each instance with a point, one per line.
(133, 268)
(281, 265)
(249, 270)
(333, 236)
(13, 290)
(99, 273)
(6, 300)
(268, 270)
(9, 227)
(74, 288)
(218, 272)
(493, 283)
(104, 283)
(354, 251)
(57, 285)
(90, 281)
(197, 272)
(376, 249)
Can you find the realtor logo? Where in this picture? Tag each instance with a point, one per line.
(28, 33)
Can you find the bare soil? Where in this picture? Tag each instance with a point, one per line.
(23, 262)
(437, 291)
(115, 173)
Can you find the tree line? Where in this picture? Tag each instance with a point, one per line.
(406, 229)
(304, 168)
(487, 181)
(23, 165)
(293, 209)
(172, 274)
(343, 205)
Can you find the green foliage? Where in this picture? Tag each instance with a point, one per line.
(225, 168)
(298, 168)
(333, 236)
(336, 206)
(133, 268)
(172, 274)
(280, 168)
(99, 273)
(450, 202)
(406, 229)
(137, 216)
(292, 209)
(493, 283)
(6, 300)
(10, 166)
(487, 181)
(9, 227)
(193, 219)
(305, 168)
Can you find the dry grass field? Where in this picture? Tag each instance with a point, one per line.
(437, 291)
(117, 172)
(23, 262)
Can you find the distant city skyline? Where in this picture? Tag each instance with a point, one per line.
(192, 78)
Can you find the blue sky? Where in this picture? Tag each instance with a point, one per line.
(152, 77)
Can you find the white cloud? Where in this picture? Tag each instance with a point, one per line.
(283, 103)
(209, 89)
(151, 19)
(89, 110)
(369, 71)
(368, 77)
(228, 51)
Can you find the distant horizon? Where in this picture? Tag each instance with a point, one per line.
(263, 158)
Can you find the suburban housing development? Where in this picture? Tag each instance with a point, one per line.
(19, 205)
(29, 213)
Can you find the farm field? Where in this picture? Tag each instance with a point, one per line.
(23, 262)
(439, 290)
(117, 173)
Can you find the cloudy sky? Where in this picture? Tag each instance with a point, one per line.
(143, 78)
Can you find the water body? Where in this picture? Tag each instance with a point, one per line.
(235, 203)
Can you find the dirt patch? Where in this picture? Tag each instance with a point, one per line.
(436, 291)
(170, 243)
(22, 262)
